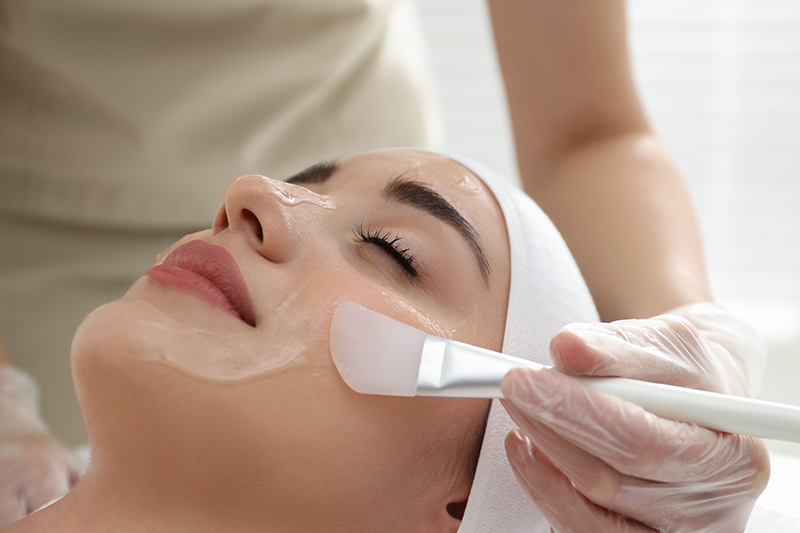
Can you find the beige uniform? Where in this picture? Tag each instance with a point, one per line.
(123, 120)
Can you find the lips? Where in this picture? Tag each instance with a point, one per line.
(209, 272)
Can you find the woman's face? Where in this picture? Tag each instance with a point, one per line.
(242, 360)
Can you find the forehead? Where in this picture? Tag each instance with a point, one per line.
(436, 169)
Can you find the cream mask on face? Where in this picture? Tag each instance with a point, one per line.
(188, 337)
(293, 196)
(210, 272)
(199, 341)
(295, 305)
(469, 183)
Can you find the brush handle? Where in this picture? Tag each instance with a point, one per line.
(456, 370)
(722, 412)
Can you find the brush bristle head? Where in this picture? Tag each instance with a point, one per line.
(373, 353)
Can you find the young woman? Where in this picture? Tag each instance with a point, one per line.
(209, 394)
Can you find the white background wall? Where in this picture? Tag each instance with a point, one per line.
(721, 80)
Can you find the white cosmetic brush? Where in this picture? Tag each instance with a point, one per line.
(375, 354)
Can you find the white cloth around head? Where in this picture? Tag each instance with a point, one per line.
(547, 292)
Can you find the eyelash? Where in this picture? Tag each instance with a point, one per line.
(390, 245)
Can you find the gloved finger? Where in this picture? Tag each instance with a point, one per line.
(33, 473)
(35, 468)
(664, 349)
(48, 479)
(564, 507)
(12, 507)
(742, 342)
(81, 457)
(625, 436)
(656, 504)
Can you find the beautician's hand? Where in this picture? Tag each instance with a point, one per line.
(593, 462)
(34, 468)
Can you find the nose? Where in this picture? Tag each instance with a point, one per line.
(273, 216)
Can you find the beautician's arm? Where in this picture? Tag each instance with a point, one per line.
(590, 159)
(34, 468)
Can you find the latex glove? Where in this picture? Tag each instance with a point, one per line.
(35, 469)
(593, 462)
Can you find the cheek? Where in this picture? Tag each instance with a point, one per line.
(314, 300)
(358, 442)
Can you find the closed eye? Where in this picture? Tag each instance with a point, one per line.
(392, 245)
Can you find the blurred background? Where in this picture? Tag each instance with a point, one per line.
(721, 82)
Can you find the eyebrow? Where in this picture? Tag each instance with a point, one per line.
(316, 173)
(423, 197)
